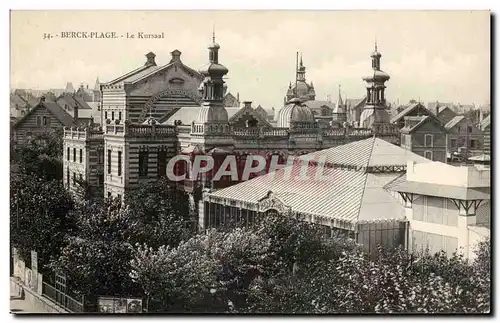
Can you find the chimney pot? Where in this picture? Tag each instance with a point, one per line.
(247, 104)
(176, 55)
(150, 59)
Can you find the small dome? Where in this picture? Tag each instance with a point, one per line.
(213, 69)
(377, 75)
(294, 111)
(209, 114)
(213, 45)
(376, 53)
(369, 116)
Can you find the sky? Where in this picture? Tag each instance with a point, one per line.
(430, 55)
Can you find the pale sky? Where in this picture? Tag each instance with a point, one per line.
(430, 55)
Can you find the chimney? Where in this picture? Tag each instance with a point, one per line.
(238, 97)
(247, 104)
(150, 59)
(75, 114)
(176, 56)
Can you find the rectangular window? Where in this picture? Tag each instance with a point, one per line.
(162, 163)
(74, 178)
(81, 157)
(74, 154)
(453, 143)
(105, 115)
(112, 115)
(44, 120)
(109, 161)
(429, 140)
(143, 163)
(100, 179)
(100, 156)
(469, 129)
(428, 154)
(119, 163)
(38, 121)
(119, 196)
(120, 115)
(68, 153)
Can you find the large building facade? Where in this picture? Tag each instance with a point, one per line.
(154, 113)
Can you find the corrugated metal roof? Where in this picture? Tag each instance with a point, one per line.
(345, 194)
(453, 122)
(370, 152)
(337, 197)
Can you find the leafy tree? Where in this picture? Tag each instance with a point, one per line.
(231, 261)
(96, 258)
(41, 156)
(162, 213)
(39, 216)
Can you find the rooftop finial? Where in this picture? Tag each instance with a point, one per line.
(376, 44)
(301, 64)
(213, 33)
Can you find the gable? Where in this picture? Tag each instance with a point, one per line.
(248, 111)
(172, 76)
(30, 119)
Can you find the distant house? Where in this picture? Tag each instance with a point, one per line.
(18, 106)
(445, 114)
(231, 101)
(434, 106)
(43, 117)
(463, 135)
(425, 136)
(413, 109)
(485, 127)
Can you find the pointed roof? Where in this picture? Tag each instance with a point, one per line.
(148, 70)
(410, 108)
(453, 122)
(486, 122)
(423, 120)
(251, 111)
(69, 87)
(65, 118)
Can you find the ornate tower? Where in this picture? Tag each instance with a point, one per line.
(375, 111)
(212, 127)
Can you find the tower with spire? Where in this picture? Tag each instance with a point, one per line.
(375, 110)
(97, 91)
(212, 126)
(339, 112)
(300, 89)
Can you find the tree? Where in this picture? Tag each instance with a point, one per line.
(39, 217)
(96, 259)
(41, 156)
(231, 261)
(163, 214)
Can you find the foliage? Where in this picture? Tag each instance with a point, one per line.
(41, 156)
(162, 214)
(179, 279)
(396, 282)
(96, 259)
(39, 216)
